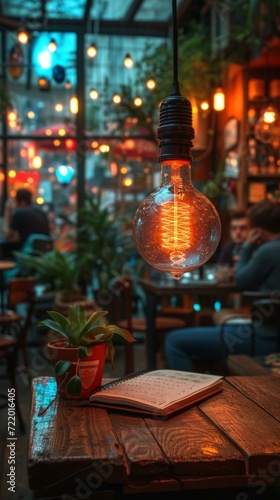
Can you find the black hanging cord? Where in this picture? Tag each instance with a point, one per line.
(175, 84)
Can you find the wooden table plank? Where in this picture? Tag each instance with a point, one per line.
(194, 446)
(142, 455)
(263, 392)
(251, 429)
(68, 442)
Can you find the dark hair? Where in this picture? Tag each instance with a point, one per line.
(24, 195)
(266, 215)
(238, 215)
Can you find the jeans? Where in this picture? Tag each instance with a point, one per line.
(213, 342)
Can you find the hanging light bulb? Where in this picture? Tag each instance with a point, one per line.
(128, 62)
(219, 99)
(138, 101)
(22, 36)
(117, 98)
(176, 229)
(267, 128)
(52, 45)
(93, 94)
(92, 51)
(151, 84)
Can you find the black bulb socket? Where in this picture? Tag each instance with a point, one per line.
(175, 132)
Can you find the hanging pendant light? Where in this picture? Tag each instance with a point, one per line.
(52, 47)
(22, 36)
(128, 61)
(92, 51)
(267, 128)
(176, 229)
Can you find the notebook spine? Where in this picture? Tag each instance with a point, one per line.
(119, 381)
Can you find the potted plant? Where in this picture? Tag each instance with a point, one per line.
(79, 356)
(58, 270)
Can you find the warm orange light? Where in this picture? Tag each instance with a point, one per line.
(113, 168)
(269, 116)
(204, 105)
(37, 162)
(22, 36)
(117, 99)
(91, 51)
(40, 200)
(2, 176)
(93, 94)
(127, 182)
(58, 107)
(12, 119)
(176, 229)
(104, 148)
(70, 143)
(151, 84)
(30, 115)
(12, 174)
(62, 132)
(94, 144)
(52, 46)
(219, 100)
(138, 101)
(74, 105)
(31, 151)
(128, 62)
(56, 143)
(48, 132)
(123, 170)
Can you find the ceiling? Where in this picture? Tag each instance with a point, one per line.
(119, 17)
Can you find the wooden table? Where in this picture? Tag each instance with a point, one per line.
(156, 290)
(227, 441)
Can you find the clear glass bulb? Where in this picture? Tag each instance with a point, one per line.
(267, 129)
(176, 229)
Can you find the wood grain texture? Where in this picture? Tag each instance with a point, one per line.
(264, 393)
(68, 442)
(194, 446)
(251, 429)
(142, 454)
(240, 364)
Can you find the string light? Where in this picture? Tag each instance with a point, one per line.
(52, 47)
(138, 101)
(93, 94)
(92, 51)
(22, 36)
(151, 84)
(117, 98)
(128, 62)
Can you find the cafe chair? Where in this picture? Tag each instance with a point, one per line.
(14, 329)
(8, 352)
(20, 293)
(264, 319)
(123, 315)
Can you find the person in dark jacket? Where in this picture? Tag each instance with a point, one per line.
(239, 229)
(258, 266)
(26, 219)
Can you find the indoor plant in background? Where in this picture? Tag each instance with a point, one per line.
(79, 356)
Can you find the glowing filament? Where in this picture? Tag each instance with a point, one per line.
(176, 233)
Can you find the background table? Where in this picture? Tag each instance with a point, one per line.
(156, 290)
(220, 443)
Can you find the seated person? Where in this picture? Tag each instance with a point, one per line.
(239, 229)
(258, 266)
(26, 219)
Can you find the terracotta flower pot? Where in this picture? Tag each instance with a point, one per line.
(90, 369)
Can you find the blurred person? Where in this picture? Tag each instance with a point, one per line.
(258, 266)
(239, 229)
(23, 218)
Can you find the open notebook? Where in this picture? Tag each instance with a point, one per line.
(157, 392)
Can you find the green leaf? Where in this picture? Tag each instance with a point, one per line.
(61, 367)
(122, 332)
(82, 352)
(96, 316)
(74, 386)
